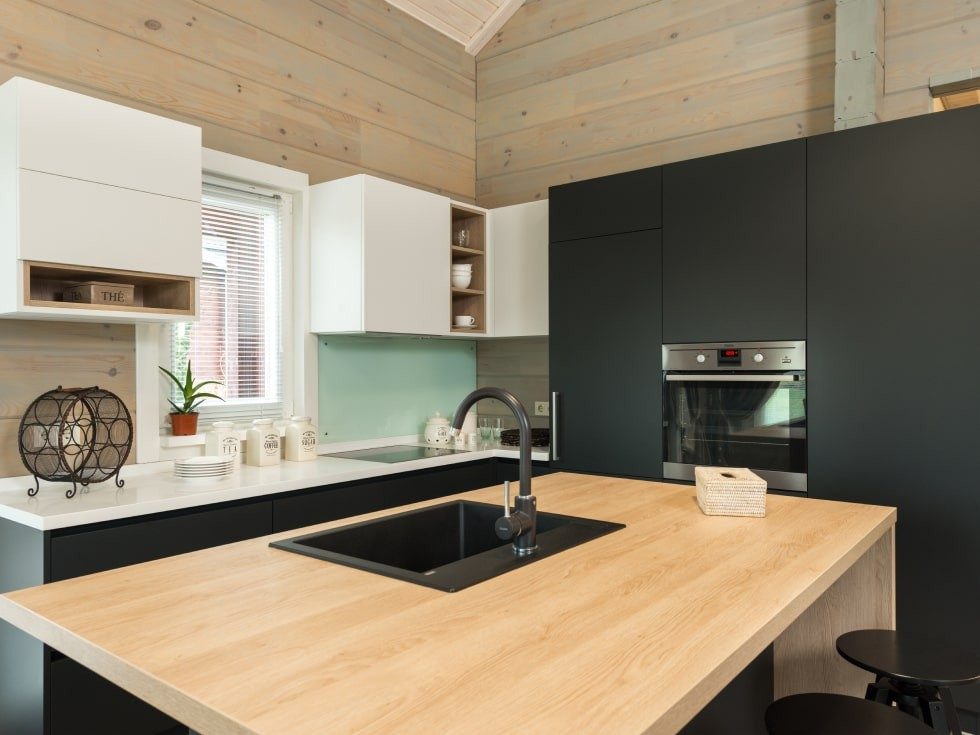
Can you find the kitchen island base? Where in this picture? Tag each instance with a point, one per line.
(636, 631)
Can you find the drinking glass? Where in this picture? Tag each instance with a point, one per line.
(462, 238)
(486, 429)
(495, 426)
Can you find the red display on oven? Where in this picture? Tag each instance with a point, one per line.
(729, 356)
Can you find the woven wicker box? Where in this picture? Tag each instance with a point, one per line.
(730, 491)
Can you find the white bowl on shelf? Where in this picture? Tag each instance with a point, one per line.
(461, 281)
(460, 269)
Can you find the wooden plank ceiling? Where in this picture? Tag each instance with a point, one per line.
(470, 22)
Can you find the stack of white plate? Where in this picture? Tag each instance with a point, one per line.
(204, 468)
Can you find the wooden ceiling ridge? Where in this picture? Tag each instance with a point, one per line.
(469, 22)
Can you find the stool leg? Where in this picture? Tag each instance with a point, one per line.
(934, 715)
(946, 697)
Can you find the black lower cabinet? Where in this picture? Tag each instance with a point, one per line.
(121, 544)
(605, 354)
(893, 304)
(82, 702)
(320, 505)
(509, 469)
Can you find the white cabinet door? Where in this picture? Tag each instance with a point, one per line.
(73, 222)
(81, 137)
(406, 259)
(337, 256)
(519, 259)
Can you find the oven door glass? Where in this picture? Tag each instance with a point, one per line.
(756, 421)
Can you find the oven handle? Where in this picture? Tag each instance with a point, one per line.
(735, 378)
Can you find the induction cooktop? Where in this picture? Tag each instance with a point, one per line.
(396, 453)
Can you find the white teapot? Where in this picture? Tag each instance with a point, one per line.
(437, 431)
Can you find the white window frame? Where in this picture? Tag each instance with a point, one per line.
(299, 378)
(245, 411)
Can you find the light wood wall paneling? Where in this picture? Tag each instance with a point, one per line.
(344, 40)
(541, 19)
(689, 79)
(912, 58)
(38, 356)
(397, 26)
(791, 35)
(639, 31)
(320, 168)
(445, 16)
(911, 16)
(524, 186)
(923, 39)
(33, 36)
(199, 33)
(805, 84)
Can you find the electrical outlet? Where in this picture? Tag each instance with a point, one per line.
(541, 408)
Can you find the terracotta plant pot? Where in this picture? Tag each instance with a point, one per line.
(183, 424)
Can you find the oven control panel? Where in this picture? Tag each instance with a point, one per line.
(759, 356)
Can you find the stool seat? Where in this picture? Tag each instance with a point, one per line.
(822, 714)
(909, 658)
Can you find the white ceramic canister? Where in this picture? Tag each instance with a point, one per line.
(300, 439)
(262, 443)
(222, 441)
(437, 431)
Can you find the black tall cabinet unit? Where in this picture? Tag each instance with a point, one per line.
(735, 246)
(605, 325)
(893, 269)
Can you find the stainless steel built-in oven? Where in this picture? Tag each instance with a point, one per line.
(736, 405)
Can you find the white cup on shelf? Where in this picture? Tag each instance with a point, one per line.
(464, 320)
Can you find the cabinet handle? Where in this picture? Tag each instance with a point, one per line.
(554, 426)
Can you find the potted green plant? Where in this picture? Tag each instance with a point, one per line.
(183, 419)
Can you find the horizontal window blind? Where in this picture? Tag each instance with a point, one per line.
(238, 338)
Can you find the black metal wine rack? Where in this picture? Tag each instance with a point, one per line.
(77, 435)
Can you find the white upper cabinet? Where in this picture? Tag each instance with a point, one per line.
(519, 258)
(94, 191)
(69, 134)
(379, 258)
(381, 255)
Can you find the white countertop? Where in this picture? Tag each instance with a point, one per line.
(154, 489)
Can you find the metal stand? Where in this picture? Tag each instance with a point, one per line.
(933, 705)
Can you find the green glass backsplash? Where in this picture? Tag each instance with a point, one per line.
(373, 387)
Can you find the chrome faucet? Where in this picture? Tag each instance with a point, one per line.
(519, 526)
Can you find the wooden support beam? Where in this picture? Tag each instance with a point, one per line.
(859, 78)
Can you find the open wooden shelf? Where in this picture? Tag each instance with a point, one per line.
(44, 284)
(473, 300)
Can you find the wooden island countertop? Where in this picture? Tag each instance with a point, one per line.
(633, 632)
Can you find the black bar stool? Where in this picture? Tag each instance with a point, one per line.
(912, 672)
(837, 714)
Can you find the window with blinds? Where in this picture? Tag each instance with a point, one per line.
(238, 338)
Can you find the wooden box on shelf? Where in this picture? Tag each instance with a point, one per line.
(97, 292)
(53, 286)
(471, 300)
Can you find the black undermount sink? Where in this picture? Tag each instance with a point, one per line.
(448, 546)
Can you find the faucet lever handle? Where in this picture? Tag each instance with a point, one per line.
(506, 498)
